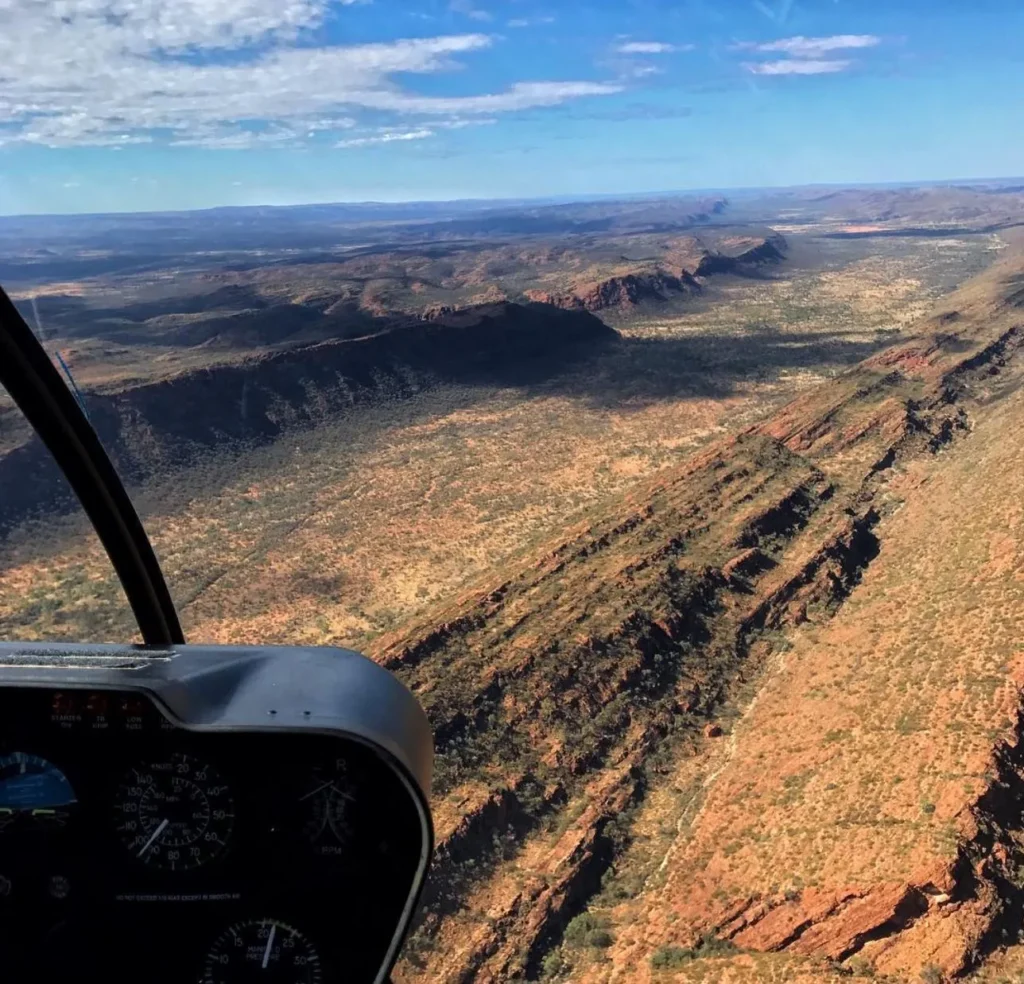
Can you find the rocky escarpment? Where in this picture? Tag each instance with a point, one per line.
(656, 285)
(558, 694)
(772, 250)
(166, 423)
(624, 291)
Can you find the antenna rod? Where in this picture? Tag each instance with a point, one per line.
(74, 385)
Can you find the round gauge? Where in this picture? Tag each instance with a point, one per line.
(34, 793)
(175, 814)
(261, 950)
(326, 803)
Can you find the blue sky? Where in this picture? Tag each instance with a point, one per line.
(167, 104)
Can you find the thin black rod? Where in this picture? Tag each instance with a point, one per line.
(34, 384)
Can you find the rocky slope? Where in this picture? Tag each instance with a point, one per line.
(624, 291)
(745, 260)
(594, 822)
(743, 257)
(151, 426)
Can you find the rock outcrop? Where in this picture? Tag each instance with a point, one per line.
(166, 423)
(559, 695)
(772, 250)
(624, 291)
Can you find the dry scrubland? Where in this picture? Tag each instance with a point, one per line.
(854, 777)
(752, 715)
(348, 530)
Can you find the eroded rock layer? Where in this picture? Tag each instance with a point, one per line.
(785, 631)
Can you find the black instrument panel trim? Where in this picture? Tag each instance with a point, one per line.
(236, 689)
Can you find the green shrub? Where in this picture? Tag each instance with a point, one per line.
(671, 957)
(552, 964)
(711, 946)
(587, 929)
(860, 967)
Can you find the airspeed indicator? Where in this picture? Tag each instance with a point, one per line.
(176, 813)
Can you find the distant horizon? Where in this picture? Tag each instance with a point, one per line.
(180, 106)
(553, 200)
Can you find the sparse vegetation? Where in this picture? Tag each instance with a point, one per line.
(672, 957)
(588, 929)
(561, 533)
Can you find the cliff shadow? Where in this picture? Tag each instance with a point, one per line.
(175, 424)
(636, 372)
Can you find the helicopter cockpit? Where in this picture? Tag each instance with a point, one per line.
(184, 813)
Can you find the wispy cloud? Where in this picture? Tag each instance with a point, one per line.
(807, 56)
(222, 73)
(386, 138)
(468, 9)
(781, 12)
(521, 95)
(794, 67)
(236, 138)
(650, 48)
(801, 47)
(530, 21)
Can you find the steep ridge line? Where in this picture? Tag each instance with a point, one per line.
(966, 900)
(155, 426)
(644, 628)
(660, 284)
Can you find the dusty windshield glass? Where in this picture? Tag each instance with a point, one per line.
(638, 381)
(55, 580)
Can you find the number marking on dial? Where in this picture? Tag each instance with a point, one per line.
(265, 950)
(176, 813)
(326, 806)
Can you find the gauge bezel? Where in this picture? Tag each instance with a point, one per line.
(37, 822)
(155, 858)
(240, 924)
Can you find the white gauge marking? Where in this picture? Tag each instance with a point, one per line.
(156, 833)
(319, 789)
(270, 943)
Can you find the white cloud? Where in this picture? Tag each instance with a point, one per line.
(468, 9)
(462, 124)
(530, 21)
(386, 138)
(801, 47)
(236, 139)
(650, 48)
(521, 95)
(217, 73)
(794, 67)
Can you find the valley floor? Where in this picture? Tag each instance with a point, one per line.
(347, 530)
(753, 715)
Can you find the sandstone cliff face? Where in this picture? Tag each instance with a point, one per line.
(661, 285)
(621, 291)
(772, 250)
(569, 696)
(149, 426)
